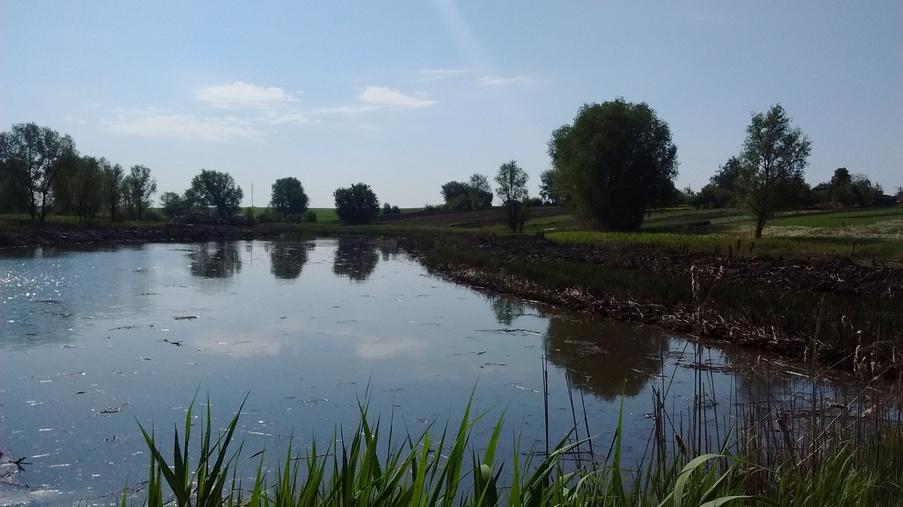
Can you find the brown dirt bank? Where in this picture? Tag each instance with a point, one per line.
(851, 315)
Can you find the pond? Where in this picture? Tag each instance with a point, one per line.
(93, 339)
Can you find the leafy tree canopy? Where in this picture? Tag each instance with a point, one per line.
(613, 161)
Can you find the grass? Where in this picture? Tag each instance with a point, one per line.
(379, 465)
(723, 244)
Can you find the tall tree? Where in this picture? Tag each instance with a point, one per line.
(32, 157)
(613, 161)
(113, 177)
(288, 197)
(218, 189)
(773, 158)
(139, 186)
(512, 190)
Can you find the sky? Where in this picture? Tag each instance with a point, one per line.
(406, 95)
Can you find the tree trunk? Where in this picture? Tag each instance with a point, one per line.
(760, 224)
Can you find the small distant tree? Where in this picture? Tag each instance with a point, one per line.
(549, 190)
(288, 197)
(217, 189)
(512, 190)
(138, 187)
(388, 209)
(172, 203)
(32, 157)
(456, 195)
(480, 191)
(356, 204)
(773, 158)
(612, 162)
(113, 188)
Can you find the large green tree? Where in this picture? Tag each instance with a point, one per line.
(217, 189)
(356, 204)
(288, 197)
(773, 158)
(31, 157)
(512, 190)
(138, 187)
(613, 161)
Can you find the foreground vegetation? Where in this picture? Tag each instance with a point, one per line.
(820, 462)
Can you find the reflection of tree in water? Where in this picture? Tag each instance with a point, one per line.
(355, 258)
(215, 260)
(507, 309)
(287, 258)
(389, 250)
(606, 358)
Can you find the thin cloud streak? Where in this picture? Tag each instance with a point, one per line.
(243, 94)
(500, 81)
(383, 97)
(157, 123)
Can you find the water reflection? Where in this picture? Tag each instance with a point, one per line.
(287, 258)
(507, 309)
(389, 250)
(355, 258)
(606, 358)
(219, 259)
(49, 295)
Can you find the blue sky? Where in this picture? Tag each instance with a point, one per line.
(406, 95)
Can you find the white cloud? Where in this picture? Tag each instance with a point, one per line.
(382, 97)
(157, 123)
(501, 81)
(430, 75)
(242, 94)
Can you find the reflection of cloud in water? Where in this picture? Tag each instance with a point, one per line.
(287, 258)
(370, 347)
(604, 357)
(355, 258)
(247, 343)
(219, 259)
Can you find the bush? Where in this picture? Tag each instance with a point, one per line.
(356, 204)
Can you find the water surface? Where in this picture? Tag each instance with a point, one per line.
(93, 339)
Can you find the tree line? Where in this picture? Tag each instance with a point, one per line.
(612, 163)
(41, 171)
